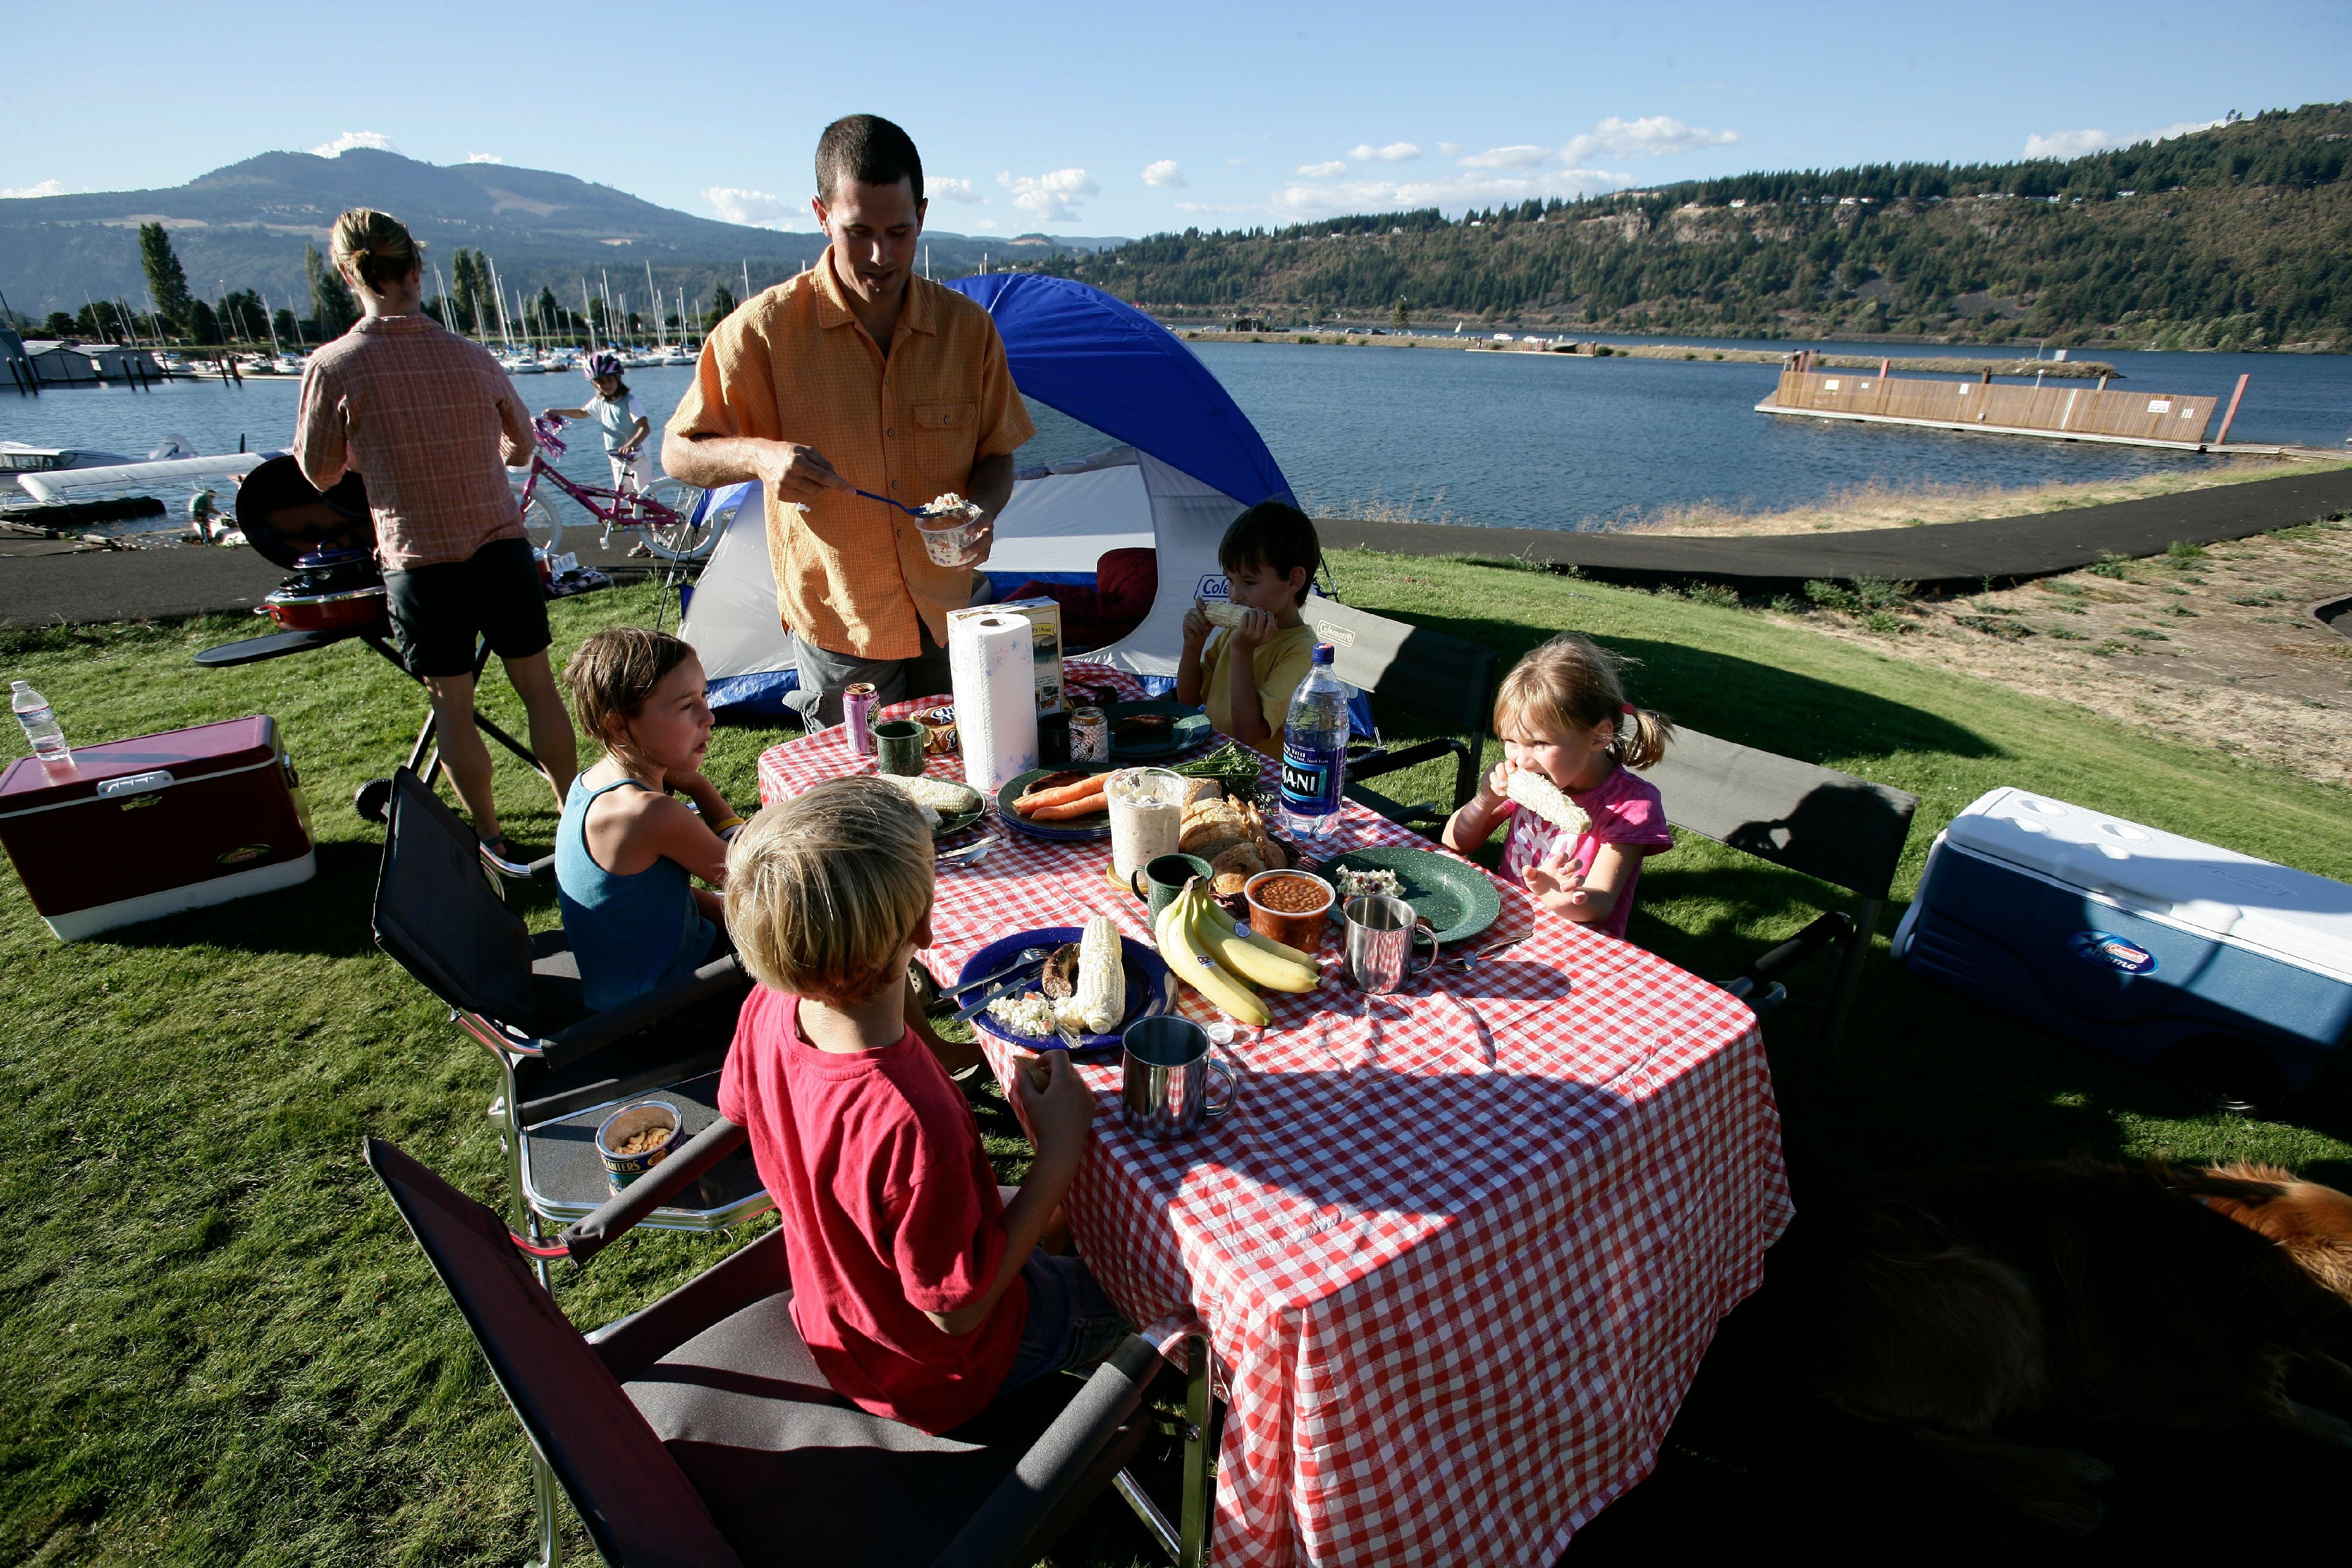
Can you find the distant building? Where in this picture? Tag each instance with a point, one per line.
(63, 364)
(17, 365)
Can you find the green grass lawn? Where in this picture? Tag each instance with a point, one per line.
(223, 1348)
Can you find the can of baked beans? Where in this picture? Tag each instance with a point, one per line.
(1089, 736)
(857, 713)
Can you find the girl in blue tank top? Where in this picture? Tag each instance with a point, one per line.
(627, 851)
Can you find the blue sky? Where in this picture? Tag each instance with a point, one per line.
(1101, 120)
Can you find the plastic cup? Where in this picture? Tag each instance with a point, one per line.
(949, 541)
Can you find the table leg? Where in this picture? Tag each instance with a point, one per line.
(1200, 1458)
(551, 1539)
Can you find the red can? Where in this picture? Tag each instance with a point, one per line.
(857, 712)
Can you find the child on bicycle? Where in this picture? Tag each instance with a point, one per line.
(626, 852)
(617, 413)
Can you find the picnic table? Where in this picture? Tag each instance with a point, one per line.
(1454, 1306)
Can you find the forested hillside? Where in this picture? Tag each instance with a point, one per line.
(2236, 237)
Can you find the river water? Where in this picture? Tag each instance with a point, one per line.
(1509, 440)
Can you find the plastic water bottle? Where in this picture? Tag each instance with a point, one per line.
(42, 731)
(1315, 751)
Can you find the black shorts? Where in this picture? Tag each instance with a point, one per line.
(436, 610)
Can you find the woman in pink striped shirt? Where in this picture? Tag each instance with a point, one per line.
(433, 423)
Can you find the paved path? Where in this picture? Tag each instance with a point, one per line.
(1951, 554)
(39, 588)
(43, 582)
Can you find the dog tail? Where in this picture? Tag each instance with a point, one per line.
(2053, 1487)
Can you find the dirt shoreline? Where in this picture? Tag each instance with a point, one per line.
(1878, 506)
(2215, 647)
(1522, 342)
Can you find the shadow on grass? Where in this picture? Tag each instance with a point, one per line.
(1733, 698)
(328, 915)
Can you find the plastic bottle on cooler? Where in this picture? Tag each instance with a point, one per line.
(42, 731)
(1315, 751)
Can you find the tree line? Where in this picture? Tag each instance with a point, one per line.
(2240, 235)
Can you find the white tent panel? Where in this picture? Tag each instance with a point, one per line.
(1060, 521)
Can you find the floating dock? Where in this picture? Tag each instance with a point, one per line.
(2056, 413)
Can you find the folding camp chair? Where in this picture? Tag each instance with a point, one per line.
(440, 916)
(1816, 821)
(1448, 680)
(699, 1431)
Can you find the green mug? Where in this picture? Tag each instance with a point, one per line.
(1157, 883)
(899, 747)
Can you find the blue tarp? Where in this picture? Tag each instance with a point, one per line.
(1106, 365)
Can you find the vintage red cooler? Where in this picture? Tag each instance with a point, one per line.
(134, 830)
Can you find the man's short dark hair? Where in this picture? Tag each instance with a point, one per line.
(869, 150)
(1276, 536)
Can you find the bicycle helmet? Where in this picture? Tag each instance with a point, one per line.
(604, 362)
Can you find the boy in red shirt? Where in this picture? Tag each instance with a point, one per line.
(921, 1293)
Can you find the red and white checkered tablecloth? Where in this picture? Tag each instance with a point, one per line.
(1454, 1306)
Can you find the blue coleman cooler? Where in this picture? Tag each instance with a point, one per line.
(2147, 945)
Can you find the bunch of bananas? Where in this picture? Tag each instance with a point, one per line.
(1206, 952)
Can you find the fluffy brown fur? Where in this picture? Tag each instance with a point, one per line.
(1947, 1304)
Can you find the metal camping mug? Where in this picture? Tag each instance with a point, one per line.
(1381, 936)
(899, 747)
(1166, 1068)
(1157, 883)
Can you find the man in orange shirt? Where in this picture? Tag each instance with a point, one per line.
(857, 374)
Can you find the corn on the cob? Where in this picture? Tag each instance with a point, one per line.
(942, 797)
(1545, 798)
(1100, 1000)
(1222, 613)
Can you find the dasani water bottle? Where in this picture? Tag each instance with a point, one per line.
(1315, 751)
(47, 737)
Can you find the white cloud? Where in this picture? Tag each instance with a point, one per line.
(756, 208)
(1053, 197)
(46, 189)
(1520, 157)
(1323, 171)
(1451, 192)
(375, 140)
(1655, 136)
(986, 222)
(1394, 152)
(1164, 172)
(484, 158)
(2081, 144)
(1448, 149)
(949, 190)
(1233, 160)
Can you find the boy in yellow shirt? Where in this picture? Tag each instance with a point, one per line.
(1246, 676)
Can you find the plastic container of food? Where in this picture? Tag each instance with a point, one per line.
(1147, 817)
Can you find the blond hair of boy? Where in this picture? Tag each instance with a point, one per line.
(829, 898)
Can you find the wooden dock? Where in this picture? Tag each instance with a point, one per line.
(2060, 413)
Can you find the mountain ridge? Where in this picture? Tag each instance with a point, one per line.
(244, 224)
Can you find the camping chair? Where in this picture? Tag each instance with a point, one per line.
(1450, 680)
(518, 996)
(699, 1431)
(1816, 821)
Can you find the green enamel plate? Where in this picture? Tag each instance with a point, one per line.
(1189, 729)
(1456, 897)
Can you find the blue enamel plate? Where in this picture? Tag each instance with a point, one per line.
(1147, 986)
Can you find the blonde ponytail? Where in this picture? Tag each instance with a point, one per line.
(376, 245)
(1642, 737)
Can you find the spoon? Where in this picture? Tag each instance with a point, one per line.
(1469, 962)
(971, 854)
(921, 512)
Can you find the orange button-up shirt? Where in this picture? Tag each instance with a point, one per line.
(792, 364)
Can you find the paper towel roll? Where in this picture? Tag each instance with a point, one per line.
(994, 674)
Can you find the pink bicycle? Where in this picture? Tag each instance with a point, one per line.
(666, 514)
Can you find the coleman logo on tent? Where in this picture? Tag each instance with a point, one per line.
(1213, 587)
(1336, 635)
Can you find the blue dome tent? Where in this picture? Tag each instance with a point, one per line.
(1189, 462)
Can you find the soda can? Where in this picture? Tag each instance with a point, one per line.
(857, 713)
(1089, 736)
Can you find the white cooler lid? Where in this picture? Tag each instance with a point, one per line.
(2289, 915)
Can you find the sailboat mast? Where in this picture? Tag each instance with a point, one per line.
(661, 329)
